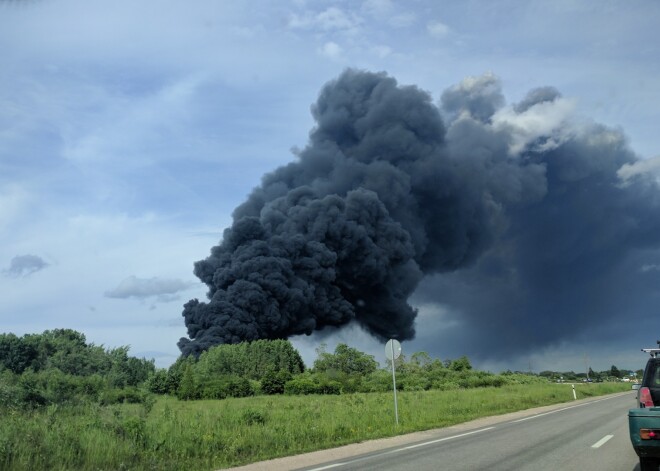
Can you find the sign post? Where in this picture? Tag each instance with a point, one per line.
(392, 352)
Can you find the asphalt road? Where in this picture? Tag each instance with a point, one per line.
(586, 435)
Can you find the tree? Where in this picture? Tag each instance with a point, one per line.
(346, 360)
(460, 364)
(614, 371)
(20, 353)
(188, 388)
(421, 359)
(273, 381)
(252, 360)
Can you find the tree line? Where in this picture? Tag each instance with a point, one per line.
(59, 366)
(275, 367)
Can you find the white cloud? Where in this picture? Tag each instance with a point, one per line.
(382, 51)
(332, 19)
(548, 118)
(13, 201)
(378, 8)
(331, 50)
(628, 172)
(122, 126)
(437, 29)
(650, 267)
(403, 20)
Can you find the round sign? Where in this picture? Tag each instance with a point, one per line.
(392, 349)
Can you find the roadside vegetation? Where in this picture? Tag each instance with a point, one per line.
(67, 405)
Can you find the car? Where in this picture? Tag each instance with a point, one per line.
(648, 392)
(644, 419)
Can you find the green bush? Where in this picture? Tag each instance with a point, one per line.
(9, 396)
(273, 381)
(329, 387)
(300, 385)
(158, 382)
(226, 386)
(30, 392)
(239, 387)
(379, 381)
(128, 395)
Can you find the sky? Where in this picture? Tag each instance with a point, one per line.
(131, 131)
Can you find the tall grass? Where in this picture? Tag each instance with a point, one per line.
(173, 435)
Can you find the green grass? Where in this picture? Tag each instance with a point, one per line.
(200, 435)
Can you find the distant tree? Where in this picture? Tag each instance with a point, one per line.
(188, 387)
(614, 371)
(346, 360)
(16, 355)
(252, 360)
(273, 381)
(460, 364)
(157, 382)
(421, 359)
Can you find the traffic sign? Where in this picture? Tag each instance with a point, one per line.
(392, 349)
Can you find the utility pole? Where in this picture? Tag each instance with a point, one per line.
(586, 365)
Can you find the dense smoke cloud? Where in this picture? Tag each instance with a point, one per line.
(514, 216)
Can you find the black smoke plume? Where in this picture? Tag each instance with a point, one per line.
(507, 213)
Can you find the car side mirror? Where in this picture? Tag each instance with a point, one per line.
(635, 386)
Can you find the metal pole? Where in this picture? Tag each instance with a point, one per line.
(396, 408)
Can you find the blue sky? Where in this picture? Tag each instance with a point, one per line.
(129, 131)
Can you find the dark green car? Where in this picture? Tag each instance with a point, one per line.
(644, 421)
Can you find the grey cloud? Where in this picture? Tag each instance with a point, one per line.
(479, 97)
(536, 96)
(25, 265)
(162, 288)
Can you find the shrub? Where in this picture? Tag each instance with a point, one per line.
(226, 386)
(329, 387)
(300, 385)
(129, 395)
(158, 382)
(188, 388)
(273, 382)
(239, 387)
(29, 391)
(9, 396)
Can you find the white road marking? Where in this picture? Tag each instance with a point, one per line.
(330, 466)
(566, 408)
(447, 438)
(548, 413)
(602, 441)
(397, 450)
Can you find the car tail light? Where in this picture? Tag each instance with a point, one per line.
(645, 397)
(648, 434)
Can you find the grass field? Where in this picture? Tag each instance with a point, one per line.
(169, 434)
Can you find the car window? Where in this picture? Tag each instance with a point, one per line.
(652, 375)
